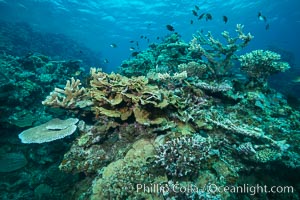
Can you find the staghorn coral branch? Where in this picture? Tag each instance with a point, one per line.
(72, 96)
(219, 56)
(244, 130)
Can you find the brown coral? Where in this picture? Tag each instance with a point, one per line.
(72, 96)
(117, 96)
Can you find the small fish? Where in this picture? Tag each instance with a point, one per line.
(201, 16)
(261, 17)
(297, 80)
(105, 60)
(194, 13)
(267, 26)
(208, 16)
(225, 19)
(148, 40)
(192, 22)
(196, 7)
(170, 28)
(77, 73)
(142, 37)
(157, 38)
(131, 41)
(153, 46)
(137, 44)
(134, 54)
(113, 45)
(131, 48)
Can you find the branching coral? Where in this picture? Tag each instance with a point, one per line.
(260, 64)
(195, 69)
(213, 86)
(219, 56)
(233, 125)
(182, 156)
(71, 97)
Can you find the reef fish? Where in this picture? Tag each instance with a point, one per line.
(225, 19)
(261, 17)
(297, 80)
(194, 13)
(135, 53)
(208, 16)
(267, 26)
(170, 28)
(113, 45)
(201, 16)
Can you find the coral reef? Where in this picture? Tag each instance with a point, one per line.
(176, 116)
(24, 82)
(19, 39)
(204, 56)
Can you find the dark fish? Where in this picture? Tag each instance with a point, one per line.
(113, 45)
(170, 28)
(195, 13)
(105, 60)
(157, 38)
(201, 16)
(142, 37)
(267, 26)
(208, 16)
(192, 22)
(261, 17)
(131, 41)
(225, 19)
(134, 54)
(137, 44)
(152, 46)
(196, 7)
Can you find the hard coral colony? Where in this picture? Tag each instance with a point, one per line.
(176, 115)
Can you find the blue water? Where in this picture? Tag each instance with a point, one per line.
(97, 24)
